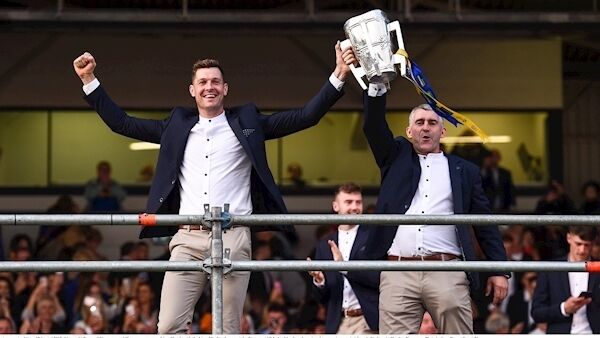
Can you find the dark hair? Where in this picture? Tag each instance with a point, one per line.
(348, 188)
(207, 63)
(585, 232)
(127, 248)
(590, 184)
(103, 164)
(14, 242)
(276, 307)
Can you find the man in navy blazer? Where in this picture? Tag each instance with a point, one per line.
(352, 297)
(558, 299)
(418, 178)
(209, 155)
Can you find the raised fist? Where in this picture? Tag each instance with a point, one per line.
(84, 66)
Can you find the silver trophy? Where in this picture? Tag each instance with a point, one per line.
(370, 38)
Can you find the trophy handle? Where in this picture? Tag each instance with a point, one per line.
(398, 59)
(357, 71)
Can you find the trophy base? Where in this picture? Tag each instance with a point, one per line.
(385, 77)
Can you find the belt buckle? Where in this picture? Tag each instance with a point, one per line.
(346, 313)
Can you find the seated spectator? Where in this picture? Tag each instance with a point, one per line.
(276, 320)
(294, 175)
(20, 248)
(556, 201)
(48, 288)
(497, 323)
(6, 298)
(92, 322)
(48, 242)
(44, 317)
(141, 314)
(103, 193)
(591, 198)
(7, 326)
(519, 305)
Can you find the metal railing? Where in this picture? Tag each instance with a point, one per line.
(219, 264)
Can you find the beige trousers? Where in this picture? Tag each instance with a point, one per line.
(181, 289)
(354, 325)
(404, 296)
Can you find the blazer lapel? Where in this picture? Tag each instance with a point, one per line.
(455, 167)
(593, 281)
(234, 123)
(359, 241)
(564, 281)
(416, 168)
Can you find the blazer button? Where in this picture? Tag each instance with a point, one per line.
(406, 206)
(161, 200)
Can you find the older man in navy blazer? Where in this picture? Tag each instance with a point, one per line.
(418, 178)
(569, 302)
(209, 155)
(351, 296)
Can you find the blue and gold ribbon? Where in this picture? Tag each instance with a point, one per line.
(415, 75)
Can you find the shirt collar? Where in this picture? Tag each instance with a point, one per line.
(221, 118)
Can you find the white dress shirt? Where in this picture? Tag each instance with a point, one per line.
(215, 169)
(433, 197)
(345, 242)
(578, 282)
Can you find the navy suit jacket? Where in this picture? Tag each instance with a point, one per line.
(552, 289)
(251, 128)
(365, 284)
(400, 174)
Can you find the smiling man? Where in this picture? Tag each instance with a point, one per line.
(417, 178)
(209, 155)
(351, 296)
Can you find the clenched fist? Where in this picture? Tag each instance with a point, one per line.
(84, 66)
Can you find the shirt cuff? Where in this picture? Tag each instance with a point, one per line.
(319, 285)
(377, 89)
(335, 82)
(562, 309)
(90, 87)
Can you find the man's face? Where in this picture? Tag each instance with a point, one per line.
(579, 250)
(425, 131)
(209, 89)
(348, 203)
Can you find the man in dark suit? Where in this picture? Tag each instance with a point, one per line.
(558, 299)
(418, 178)
(351, 296)
(497, 183)
(209, 155)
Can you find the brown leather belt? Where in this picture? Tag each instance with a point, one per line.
(190, 227)
(352, 313)
(435, 257)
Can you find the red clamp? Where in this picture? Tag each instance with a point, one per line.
(592, 266)
(147, 219)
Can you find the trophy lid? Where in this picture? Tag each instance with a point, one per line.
(374, 14)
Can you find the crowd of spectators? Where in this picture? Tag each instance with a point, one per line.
(277, 302)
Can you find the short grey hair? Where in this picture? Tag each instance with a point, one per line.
(423, 106)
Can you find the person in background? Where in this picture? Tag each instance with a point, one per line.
(352, 297)
(103, 193)
(7, 326)
(497, 183)
(569, 302)
(591, 198)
